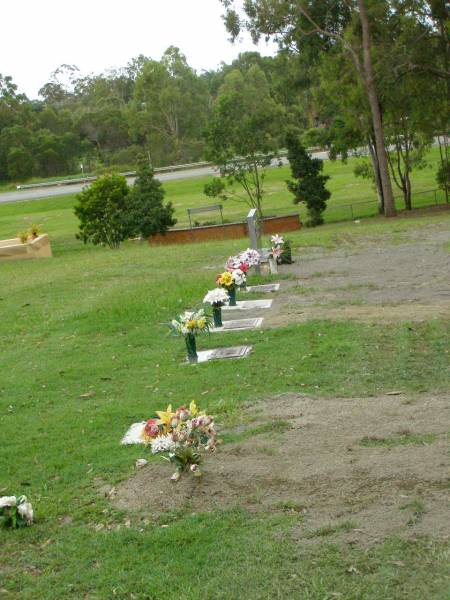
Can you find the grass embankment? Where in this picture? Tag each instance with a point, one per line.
(85, 352)
(56, 214)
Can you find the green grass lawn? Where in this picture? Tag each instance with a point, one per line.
(85, 352)
(55, 215)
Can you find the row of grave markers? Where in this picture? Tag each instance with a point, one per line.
(242, 324)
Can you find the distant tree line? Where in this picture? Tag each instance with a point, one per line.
(349, 74)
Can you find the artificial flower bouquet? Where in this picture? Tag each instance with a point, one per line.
(190, 324)
(217, 298)
(15, 511)
(281, 250)
(181, 437)
(230, 282)
(234, 263)
(250, 257)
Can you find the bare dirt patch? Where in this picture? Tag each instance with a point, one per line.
(315, 465)
(377, 279)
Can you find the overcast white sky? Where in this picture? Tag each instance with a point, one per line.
(38, 36)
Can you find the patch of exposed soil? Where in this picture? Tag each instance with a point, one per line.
(318, 468)
(408, 280)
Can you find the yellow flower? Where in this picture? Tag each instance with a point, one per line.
(193, 408)
(226, 279)
(201, 323)
(165, 417)
(192, 323)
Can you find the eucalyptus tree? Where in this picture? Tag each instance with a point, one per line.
(244, 137)
(170, 107)
(311, 27)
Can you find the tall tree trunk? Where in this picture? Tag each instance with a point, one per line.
(376, 171)
(389, 205)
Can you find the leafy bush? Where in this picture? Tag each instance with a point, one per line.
(103, 211)
(443, 175)
(309, 185)
(147, 213)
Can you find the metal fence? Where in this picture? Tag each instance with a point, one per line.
(369, 208)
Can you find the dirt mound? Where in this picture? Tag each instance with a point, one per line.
(358, 469)
(377, 280)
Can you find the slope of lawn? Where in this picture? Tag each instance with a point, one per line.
(84, 352)
(55, 215)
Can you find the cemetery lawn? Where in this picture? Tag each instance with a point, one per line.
(85, 352)
(56, 217)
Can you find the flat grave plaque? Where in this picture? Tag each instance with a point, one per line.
(266, 288)
(249, 305)
(232, 352)
(242, 324)
(218, 353)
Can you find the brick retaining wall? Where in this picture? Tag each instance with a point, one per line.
(227, 231)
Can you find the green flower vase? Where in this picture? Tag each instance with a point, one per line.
(232, 293)
(217, 316)
(191, 348)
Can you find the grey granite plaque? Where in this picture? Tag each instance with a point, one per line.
(218, 353)
(232, 352)
(242, 324)
(249, 305)
(266, 288)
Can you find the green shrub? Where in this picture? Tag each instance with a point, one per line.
(103, 211)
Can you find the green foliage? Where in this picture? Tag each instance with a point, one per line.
(286, 253)
(443, 175)
(147, 213)
(308, 185)
(103, 211)
(244, 136)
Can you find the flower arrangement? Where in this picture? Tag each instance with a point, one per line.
(217, 297)
(250, 257)
(15, 511)
(227, 281)
(32, 233)
(181, 436)
(189, 324)
(232, 263)
(239, 277)
(281, 250)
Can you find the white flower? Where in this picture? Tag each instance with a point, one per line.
(217, 296)
(233, 262)
(238, 277)
(277, 240)
(7, 501)
(163, 443)
(250, 257)
(25, 510)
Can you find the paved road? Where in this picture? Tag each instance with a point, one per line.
(62, 190)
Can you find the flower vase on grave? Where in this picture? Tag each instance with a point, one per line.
(217, 315)
(232, 293)
(191, 348)
(273, 265)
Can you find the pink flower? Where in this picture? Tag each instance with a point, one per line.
(151, 428)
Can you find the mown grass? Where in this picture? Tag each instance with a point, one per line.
(84, 352)
(56, 214)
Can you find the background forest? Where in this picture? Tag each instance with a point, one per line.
(164, 109)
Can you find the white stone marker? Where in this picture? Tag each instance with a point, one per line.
(219, 353)
(249, 305)
(266, 288)
(238, 324)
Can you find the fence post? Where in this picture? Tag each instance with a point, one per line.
(351, 210)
